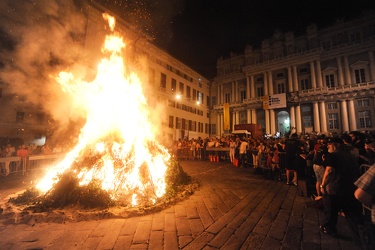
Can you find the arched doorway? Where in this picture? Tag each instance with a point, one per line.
(283, 123)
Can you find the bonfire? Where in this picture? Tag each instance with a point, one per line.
(117, 159)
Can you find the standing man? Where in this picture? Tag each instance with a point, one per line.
(291, 147)
(341, 171)
(23, 153)
(243, 149)
(320, 149)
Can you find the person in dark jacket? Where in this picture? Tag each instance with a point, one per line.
(291, 148)
(341, 171)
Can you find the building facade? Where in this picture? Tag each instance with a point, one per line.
(327, 75)
(181, 91)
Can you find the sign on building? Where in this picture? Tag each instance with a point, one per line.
(274, 101)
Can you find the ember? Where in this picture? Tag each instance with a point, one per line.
(116, 148)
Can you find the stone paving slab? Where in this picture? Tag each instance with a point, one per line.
(233, 209)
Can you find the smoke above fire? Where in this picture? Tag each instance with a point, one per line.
(39, 39)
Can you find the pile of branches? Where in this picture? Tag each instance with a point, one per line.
(68, 193)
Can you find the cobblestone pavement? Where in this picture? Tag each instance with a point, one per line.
(233, 209)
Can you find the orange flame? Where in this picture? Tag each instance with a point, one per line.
(117, 129)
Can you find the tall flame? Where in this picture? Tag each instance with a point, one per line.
(117, 130)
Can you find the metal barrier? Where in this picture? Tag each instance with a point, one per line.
(16, 164)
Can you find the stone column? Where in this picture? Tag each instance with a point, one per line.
(265, 84)
(222, 93)
(316, 117)
(218, 120)
(248, 115)
(237, 117)
(219, 93)
(270, 83)
(372, 65)
(248, 84)
(233, 119)
(323, 118)
(319, 74)
(236, 91)
(339, 72)
(352, 116)
(344, 116)
(272, 121)
(252, 86)
(292, 120)
(267, 121)
(295, 78)
(233, 96)
(312, 73)
(254, 116)
(298, 119)
(221, 124)
(290, 79)
(348, 80)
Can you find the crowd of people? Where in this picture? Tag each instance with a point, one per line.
(24, 151)
(335, 163)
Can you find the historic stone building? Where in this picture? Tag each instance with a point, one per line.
(164, 78)
(327, 76)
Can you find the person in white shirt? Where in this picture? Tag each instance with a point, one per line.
(243, 148)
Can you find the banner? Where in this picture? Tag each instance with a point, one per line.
(226, 117)
(274, 101)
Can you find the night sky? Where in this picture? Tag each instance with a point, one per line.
(198, 32)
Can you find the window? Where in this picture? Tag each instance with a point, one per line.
(280, 88)
(227, 98)
(260, 91)
(330, 81)
(355, 37)
(178, 123)
(181, 88)
(359, 75)
(173, 85)
(333, 121)
(364, 103)
(213, 128)
(194, 94)
(200, 97)
(188, 94)
(151, 76)
(364, 119)
(163, 81)
(171, 103)
(171, 118)
(332, 105)
(20, 116)
(242, 95)
(305, 84)
(307, 121)
(213, 100)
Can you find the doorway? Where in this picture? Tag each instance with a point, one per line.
(283, 123)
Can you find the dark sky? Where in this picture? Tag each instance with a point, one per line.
(198, 32)
(207, 30)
